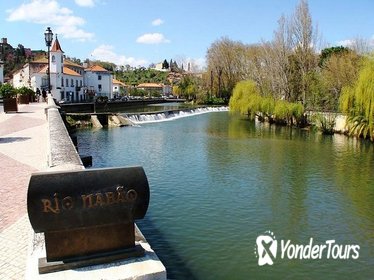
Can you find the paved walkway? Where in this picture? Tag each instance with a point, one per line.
(23, 150)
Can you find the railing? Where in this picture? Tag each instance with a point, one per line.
(62, 154)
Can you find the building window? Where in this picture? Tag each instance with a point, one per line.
(99, 86)
(62, 82)
(67, 82)
(53, 58)
(72, 83)
(99, 77)
(80, 83)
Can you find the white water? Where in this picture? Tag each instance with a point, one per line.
(172, 115)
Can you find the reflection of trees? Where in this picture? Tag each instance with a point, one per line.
(297, 173)
(354, 176)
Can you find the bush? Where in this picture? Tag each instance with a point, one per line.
(25, 91)
(325, 123)
(7, 91)
(214, 101)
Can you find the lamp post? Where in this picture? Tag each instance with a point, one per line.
(48, 36)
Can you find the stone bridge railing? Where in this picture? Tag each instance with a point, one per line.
(62, 154)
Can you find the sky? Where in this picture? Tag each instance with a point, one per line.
(141, 32)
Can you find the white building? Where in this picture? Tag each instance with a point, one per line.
(119, 88)
(100, 80)
(68, 81)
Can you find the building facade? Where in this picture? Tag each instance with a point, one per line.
(100, 80)
(119, 88)
(69, 82)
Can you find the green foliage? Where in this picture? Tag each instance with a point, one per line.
(267, 106)
(328, 52)
(7, 91)
(165, 65)
(25, 91)
(214, 101)
(358, 102)
(325, 123)
(246, 99)
(189, 87)
(282, 111)
(141, 75)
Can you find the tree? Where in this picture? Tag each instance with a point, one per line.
(304, 39)
(339, 69)
(225, 59)
(247, 99)
(275, 57)
(165, 65)
(357, 102)
(328, 52)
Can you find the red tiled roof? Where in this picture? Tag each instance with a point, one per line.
(71, 63)
(68, 71)
(44, 69)
(96, 68)
(56, 46)
(119, 82)
(150, 85)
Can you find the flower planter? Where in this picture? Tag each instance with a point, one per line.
(24, 99)
(10, 105)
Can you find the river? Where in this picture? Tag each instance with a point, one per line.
(219, 181)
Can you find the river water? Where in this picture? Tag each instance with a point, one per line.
(219, 181)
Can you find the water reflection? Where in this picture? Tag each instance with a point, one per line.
(218, 181)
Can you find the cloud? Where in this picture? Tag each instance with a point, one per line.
(106, 53)
(157, 22)
(85, 3)
(49, 12)
(346, 43)
(152, 38)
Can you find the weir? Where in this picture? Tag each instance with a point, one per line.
(63, 158)
(158, 116)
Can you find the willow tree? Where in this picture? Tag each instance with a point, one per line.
(246, 99)
(358, 102)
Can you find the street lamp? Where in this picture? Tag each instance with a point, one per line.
(48, 36)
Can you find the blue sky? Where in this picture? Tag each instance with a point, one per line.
(140, 32)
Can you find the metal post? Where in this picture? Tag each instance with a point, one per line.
(49, 71)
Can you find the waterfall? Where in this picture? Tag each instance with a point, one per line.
(172, 114)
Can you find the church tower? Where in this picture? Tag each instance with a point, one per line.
(57, 67)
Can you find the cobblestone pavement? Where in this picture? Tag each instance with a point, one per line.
(23, 150)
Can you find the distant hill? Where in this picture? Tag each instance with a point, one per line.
(15, 58)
